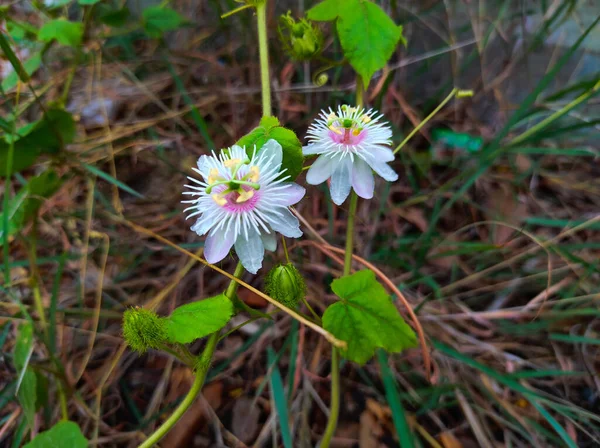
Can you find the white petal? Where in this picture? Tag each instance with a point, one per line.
(341, 181)
(290, 193)
(204, 166)
(380, 153)
(320, 170)
(362, 179)
(218, 244)
(384, 170)
(204, 223)
(250, 251)
(237, 152)
(269, 241)
(286, 224)
(272, 149)
(313, 148)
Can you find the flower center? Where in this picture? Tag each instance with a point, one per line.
(238, 189)
(348, 129)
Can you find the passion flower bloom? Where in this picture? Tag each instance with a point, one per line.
(350, 144)
(242, 202)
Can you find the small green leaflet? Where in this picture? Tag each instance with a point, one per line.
(366, 318)
(30, 65)
(63, 434)
(47, 135)
(270, 128)
(198, 319)
(26, 384)
(158, 20)
(367, 34)
(28, 200)
(65, 32)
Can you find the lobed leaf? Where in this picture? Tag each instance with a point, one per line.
(366, 318)
(367, 34)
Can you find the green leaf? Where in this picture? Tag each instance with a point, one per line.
(87, 2)
(367, 34)
(198, 319)
(23, 345)
(26, 385)
(47, 135)
(30, 65)
(325, 11)
(27, 395)
(63, 434)
(65, 32)
(158, 20)
(366, 318)
(28, 200)
(270, 128)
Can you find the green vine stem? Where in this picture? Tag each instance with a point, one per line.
(334, 408)
(201, 371)
(202, 366)
(263, 49)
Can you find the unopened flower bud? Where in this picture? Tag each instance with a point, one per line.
(285, 284)
(143, 329)
(301, 40)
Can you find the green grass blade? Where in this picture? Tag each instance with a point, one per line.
(391, 393)
(198, 120)
(280, 399)
(107, 177)
(531, 396)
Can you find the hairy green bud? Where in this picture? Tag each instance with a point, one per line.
(143, 329)
(301, 40)
(285, 284)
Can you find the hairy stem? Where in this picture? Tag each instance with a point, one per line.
(202, 366)
(263, 49)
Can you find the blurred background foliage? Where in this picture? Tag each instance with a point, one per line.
(492, 232)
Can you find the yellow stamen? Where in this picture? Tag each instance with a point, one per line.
(366, 119)
(254, 174)
(231, 163)
(356, 132)
(244, 196)
(334, 129)
(220, 200)
(331, 117)
(351, 110)
(213, 176)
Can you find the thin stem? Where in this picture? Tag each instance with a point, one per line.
(263, 49)
(335, 399)
(310, 308)
(285, 250)
(237, 302)
(202, 366)
(201, 371)
(360, 92)
(235, 11)
(350, 233)
(429, 117)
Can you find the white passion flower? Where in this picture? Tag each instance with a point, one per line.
(242, 202)
(350, 144)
